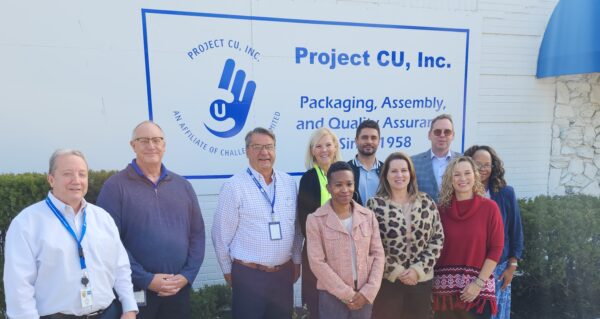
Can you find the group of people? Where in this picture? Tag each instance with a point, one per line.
(404, 238)
(438, 232)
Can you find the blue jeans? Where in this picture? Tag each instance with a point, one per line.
(331, 307)
(502, 296)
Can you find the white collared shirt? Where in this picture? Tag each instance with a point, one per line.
(439, 165)
(42, 273)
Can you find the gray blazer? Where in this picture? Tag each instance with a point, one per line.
(425, 176)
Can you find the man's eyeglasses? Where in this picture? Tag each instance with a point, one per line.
(484, 166)
(438, 132)
(158, 141)
(260, 147)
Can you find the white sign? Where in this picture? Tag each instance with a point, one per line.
(213, 77)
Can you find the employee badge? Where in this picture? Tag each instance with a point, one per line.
(275, 230)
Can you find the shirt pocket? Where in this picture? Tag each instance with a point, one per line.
(333, 245)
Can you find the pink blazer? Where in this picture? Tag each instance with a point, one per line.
(330, 252)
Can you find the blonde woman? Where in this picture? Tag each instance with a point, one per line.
(410, 226)
(463, 285)
(323, 150)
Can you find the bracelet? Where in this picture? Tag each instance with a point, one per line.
(482, 285)
(516, 264)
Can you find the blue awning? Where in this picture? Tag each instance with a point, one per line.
(571, 43)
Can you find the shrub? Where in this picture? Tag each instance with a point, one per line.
(18, 191)
(561, 264)
(211, 302)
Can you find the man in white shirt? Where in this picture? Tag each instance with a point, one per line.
(431, 164)
(63, 256)
(256, 236)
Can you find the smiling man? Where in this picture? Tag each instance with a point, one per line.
(431, 164)
(365, 165)
(256, 236)
(63, 255)
(161, 226)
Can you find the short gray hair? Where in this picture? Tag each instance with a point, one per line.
(259, 130)
(61, 152)
(142, 123)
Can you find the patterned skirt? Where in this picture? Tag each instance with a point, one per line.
(502, 296)
(449, 281)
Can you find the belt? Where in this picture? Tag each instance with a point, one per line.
(262, 267)
(92, 315)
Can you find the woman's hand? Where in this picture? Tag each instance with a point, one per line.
(357, 302)
(409, 277)
(470, 292)
(507, 276)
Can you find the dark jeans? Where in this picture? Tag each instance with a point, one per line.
(331, 307)
(176, 306)
(262, 295)
(399, 301)
(459, 314)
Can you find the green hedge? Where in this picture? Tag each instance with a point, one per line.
(560, 271)
(561, 264)
(22, 190)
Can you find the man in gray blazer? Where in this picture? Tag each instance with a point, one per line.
(431, 164)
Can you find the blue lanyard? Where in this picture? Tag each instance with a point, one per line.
(264, 192)
(68, 227)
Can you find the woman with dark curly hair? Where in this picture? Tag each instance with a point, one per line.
(463, 285)
(491, 171)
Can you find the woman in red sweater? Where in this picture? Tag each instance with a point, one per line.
(463, 285)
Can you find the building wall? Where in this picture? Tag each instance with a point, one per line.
(575, 158)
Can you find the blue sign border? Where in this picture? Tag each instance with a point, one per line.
(300, 21)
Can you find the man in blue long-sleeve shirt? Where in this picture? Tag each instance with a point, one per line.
(160, 223)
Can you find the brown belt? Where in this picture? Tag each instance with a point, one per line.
(262, 267)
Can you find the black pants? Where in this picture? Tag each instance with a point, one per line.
(471, 314)
(310, 294)
(262, 295)
(399, 301)
(175, 307)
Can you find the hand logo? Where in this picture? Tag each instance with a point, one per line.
(238, 108)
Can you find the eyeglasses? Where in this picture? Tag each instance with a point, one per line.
(484, 166)
(438, 132)
(260, 147)
(158, 141)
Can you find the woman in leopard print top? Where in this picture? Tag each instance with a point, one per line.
(412, 236)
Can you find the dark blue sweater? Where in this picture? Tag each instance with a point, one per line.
(511, 216)
(160, 225)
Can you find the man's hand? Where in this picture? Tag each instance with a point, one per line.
(228, 279)
(357, 302)
(128, 315)
(157, 282)
(172, 285)
(297, 272)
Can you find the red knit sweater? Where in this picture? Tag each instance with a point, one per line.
(474, 232)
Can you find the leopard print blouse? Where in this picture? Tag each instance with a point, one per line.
(427, 236)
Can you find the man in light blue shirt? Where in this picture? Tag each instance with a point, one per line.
(431, 164)
(256, 236)
(365, 165)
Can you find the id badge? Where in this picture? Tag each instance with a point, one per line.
(275, 230)
(140, 297)
(86, 296)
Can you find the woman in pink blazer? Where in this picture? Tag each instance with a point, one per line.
(344, 250)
